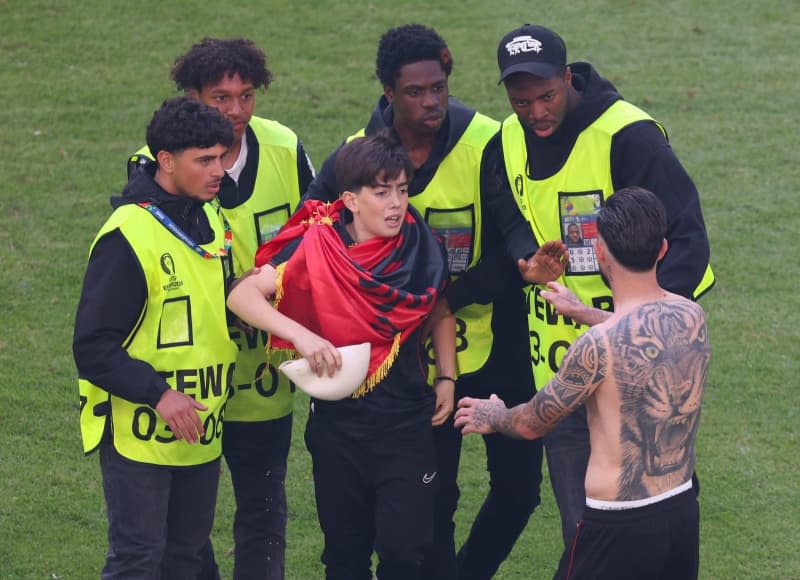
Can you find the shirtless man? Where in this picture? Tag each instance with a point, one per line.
(641, 373)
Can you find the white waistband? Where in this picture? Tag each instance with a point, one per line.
(600, 504)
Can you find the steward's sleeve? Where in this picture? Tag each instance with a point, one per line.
(501, 208)
(113, 297)
(305, 169)
(641, 156)
(493, 275)
(324, 187)
(496, 271)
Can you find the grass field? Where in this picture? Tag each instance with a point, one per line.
(79, 81)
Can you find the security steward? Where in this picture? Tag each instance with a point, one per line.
(266, 171)
(571, 141)
(152, 349)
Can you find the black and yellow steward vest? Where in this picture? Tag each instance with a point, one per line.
(451, 205)
(182, 333)
(565, 202)
(260, 392)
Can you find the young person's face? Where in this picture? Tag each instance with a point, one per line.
(419, 97)
(541, 104)
(378, 211)
(195, 173)
(232, 97)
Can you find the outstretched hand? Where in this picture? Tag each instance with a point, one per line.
(475, 415)
(547, 264)
(567, 304)
(563, 299)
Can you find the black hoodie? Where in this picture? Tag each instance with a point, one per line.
(640, 156)
(115, 292)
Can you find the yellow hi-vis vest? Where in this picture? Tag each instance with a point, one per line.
(568, 200)
(182, 333)
(260, 392)
(451, 205)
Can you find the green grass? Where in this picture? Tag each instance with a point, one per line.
(79, 81)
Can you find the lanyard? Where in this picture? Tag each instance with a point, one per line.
(167, 222)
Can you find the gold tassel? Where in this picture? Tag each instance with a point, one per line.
(380, 373)
(279, 291)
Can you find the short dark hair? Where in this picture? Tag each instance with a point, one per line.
(633, 225)
(182, 123)
(211, 59)
(362, 161)
(408, 44)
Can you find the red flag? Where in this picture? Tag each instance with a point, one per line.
(379, 291)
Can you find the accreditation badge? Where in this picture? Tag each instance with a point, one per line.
(269, 222)
(455, 229)
(578, 221)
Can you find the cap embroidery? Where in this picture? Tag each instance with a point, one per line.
(525, 43)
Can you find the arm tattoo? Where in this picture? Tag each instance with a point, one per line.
(661, 354)
(581, 372)
(486, 414)
(495, 415)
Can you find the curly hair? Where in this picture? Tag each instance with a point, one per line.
(408, 44)
(212, 58)
(182, 123)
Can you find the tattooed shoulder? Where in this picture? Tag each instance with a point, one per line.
(582, 371)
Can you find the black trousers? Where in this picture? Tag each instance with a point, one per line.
(374, 492)
(256, 454)
(159, 518)
(514, 466)
(567, 450)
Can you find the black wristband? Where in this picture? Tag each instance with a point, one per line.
(444, 378)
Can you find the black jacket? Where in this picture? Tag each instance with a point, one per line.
(640, 156)
(114, 294)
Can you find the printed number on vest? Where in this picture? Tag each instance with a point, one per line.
(555, 353)
(265, 373)
(145, 420)
(461, 341)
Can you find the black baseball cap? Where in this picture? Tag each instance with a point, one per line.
(532, 49)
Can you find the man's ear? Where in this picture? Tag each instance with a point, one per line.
(388, 91)
(166, 161)
(599, 249)
(663, 251)
(349, 200)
